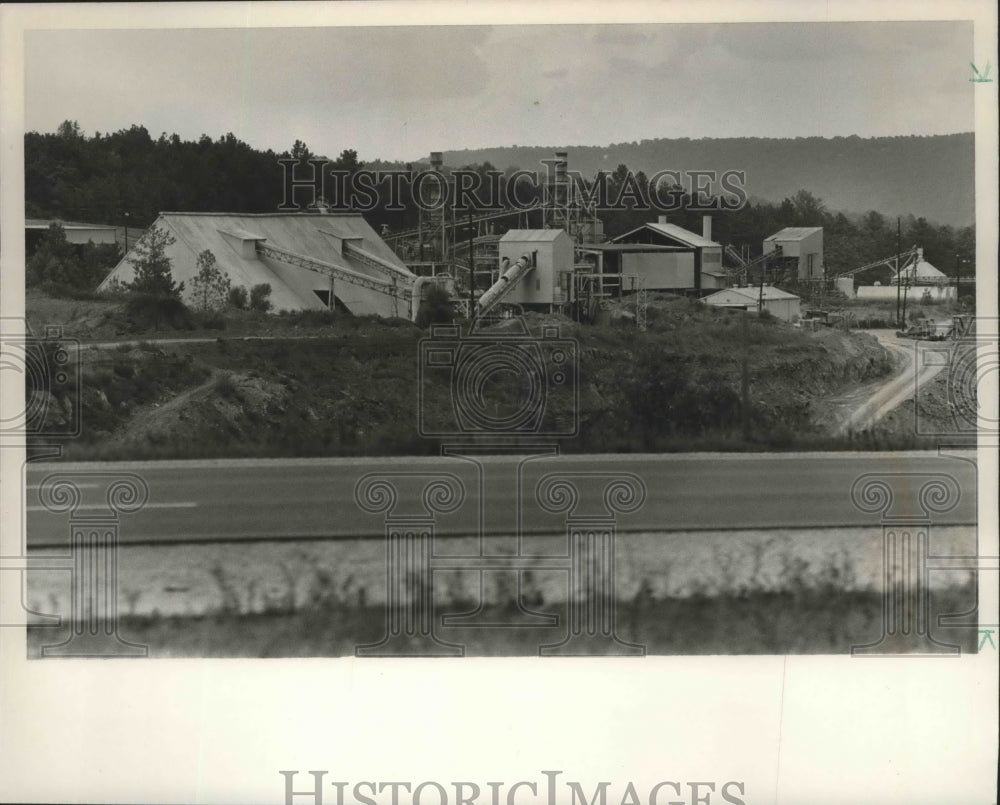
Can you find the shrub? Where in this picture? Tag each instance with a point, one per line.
(259, 297)
(152, 311)
(225, 385)
(435, 308)
(63, 269)
(238, 297)
(210, 320)
(311, 318)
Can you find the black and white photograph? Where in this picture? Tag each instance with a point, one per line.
(571, 346)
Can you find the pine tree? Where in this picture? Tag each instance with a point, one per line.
(152, 265)
(210, 287)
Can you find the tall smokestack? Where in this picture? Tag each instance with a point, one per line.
(706, 227)
(436, 161)
(561, 196)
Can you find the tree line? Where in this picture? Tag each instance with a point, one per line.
(930, 176)
(129, 177)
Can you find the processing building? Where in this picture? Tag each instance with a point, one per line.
(801, 244)
(684, 262)
(311, 261)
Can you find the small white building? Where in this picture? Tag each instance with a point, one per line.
(781, 304)
(805, 244)
(551, 253)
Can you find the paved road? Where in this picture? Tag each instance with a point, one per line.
(300, 498)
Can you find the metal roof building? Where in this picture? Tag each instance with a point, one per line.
(783, 305)
(794, 233)
(674, 272)
(271, 248)
(551, 254)
(674, 232)
(805, 244)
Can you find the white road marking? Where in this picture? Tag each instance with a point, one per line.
(186, 504)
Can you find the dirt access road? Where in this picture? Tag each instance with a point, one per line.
(869, 404)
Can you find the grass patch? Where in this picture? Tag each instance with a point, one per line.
(783, 622)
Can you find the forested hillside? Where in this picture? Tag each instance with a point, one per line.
(930, 177)
(102, 177)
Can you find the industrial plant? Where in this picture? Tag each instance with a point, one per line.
(548, 256)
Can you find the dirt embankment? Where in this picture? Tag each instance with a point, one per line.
(938, 410)
(352, 389)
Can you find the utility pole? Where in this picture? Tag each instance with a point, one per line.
(958, 279)
(472, 274)
(899, 276)
(760, 300)
(905, 289)
(745, 381)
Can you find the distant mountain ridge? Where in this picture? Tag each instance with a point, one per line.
(925, 176)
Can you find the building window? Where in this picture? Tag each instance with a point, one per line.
(810, 261)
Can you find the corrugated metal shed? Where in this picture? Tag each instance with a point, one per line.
(790, 233)
(230, 238)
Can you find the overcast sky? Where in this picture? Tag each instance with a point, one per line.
(398, 93)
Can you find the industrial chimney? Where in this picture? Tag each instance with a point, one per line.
(436, 161)
(562, 160)
(662, 219)
(706, 227)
